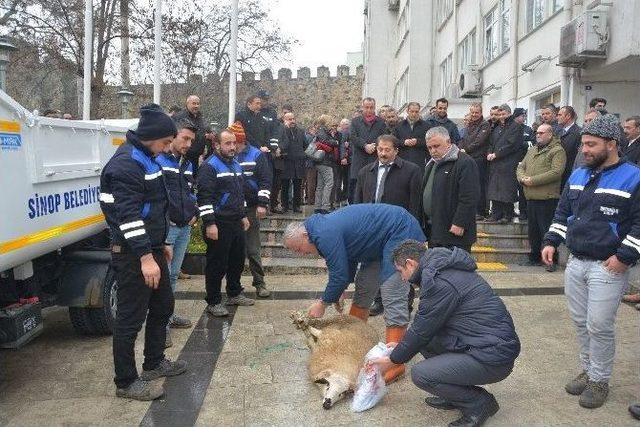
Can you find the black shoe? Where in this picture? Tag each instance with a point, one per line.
(297, 210)
(480, 218)
(277, 211)
(439, 403)
(530, 263)
(551, 268)
(505, 220)
(523, 218)
(477, 418)
(635, 410)
(492, 218)
(376, 308)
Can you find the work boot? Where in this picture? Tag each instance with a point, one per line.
(479, 416)
(179, 322)
(167, 340)
(240, 300)
(262, 291)
(394, 334)
(578, 384)
(217, 310)
(439, 403)
(166, 368)
(376, 308)
(635, 411)
(141, 390)
(359, 312)
(594, 394)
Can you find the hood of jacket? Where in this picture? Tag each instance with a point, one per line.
(438, 259)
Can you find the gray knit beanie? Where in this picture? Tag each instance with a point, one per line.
(607, 127)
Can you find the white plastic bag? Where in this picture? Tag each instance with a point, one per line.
(371, 387)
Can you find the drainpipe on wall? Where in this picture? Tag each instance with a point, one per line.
(454, 54)
(514, 49)
(566, 77)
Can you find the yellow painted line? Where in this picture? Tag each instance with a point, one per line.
(483, 249)
(117, 141)
(492, 266)
(49, 233)
(481, 234)
(8, 126)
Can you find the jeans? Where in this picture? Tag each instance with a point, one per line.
(324, 187)
(179, 238)
(456, 377)
(253, 250)
(593, 296)
(225, 257)
(136, 303)
(394, 292)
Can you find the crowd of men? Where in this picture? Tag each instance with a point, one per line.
(409, 181)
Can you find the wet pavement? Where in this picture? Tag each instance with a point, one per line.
(250, 369)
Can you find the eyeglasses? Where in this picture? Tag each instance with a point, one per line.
(541, 133)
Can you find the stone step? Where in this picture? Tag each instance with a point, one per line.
(280, 221)
(497, 228)
(503, 240)
(195, 264)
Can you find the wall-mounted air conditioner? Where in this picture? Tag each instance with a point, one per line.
(585, 37)
(470, 82)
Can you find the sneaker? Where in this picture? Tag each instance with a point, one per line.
(240, 300)
(167, 341)
(166, 368)
(141, 390)
(183, 275)
(578, 384)
(179, 322)
(594, 394)
(217, 310)
(262, 291)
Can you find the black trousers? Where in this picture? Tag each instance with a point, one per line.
(456, 377)
(483, 172)
(275, 187)
(352, 189)
(522, 203)
(540, 216)
(297, 193)
(137, 302)
(501, 210)
(225, 257)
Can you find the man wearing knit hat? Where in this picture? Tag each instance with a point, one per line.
(599, 220)
(134, 201)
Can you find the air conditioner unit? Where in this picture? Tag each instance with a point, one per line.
(394, 4)
(583, 38)
(470, 82)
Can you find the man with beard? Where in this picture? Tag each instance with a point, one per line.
(599, 219)
(440, 119)
(204, 135)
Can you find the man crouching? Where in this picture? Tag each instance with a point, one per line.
(462, 329)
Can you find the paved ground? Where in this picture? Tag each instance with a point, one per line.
(251, 369)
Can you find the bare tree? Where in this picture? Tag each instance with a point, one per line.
(9, 8)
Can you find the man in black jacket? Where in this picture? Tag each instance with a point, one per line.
(450, 192)
(462, 328)
(631, 129)
(440, 119)
(364, 132)
(257, 129)
(410, 132)
(193, 113)
(292, 145)
(569, 138)
(476, 144)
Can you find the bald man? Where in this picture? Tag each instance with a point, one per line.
(203, 132)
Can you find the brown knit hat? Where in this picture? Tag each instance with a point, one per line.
(238, 130)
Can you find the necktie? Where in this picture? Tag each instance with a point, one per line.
(380, 190)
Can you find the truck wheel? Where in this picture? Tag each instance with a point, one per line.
(99, 320)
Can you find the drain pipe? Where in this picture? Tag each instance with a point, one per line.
(566, 76)
(514, 46)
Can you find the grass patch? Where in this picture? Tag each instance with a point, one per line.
(197, 244)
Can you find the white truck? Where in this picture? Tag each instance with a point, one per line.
(53, 236)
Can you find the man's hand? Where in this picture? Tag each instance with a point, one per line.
(265, 149)
(491, 156)
(344, 162)
(370, 148)
(245, 223)
(150, 271)
(278, 152)
(316, 309)
(261, 212)
(463, 150)
(410, 142)
(193, 220)
(527, 181)
(382, 363)
(339, 306)
(547, 254)
(456, 230)
(212, 232)
(614, 265)
(168, 253)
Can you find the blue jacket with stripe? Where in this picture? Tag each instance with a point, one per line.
(257, 176)
(359, 233)
(178, 178)
(599, 214)
(220, 191)
(134, 199)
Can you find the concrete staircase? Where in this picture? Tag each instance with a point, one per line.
(499, 247)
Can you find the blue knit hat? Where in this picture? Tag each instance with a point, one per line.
(154, 123)
(607, 127)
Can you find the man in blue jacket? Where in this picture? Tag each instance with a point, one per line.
(365, 234)
(462, 329)
(599, 219)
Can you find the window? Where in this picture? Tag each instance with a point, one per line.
(467, 51)
(444, 8)
(446, 73)
(539, 10)
(496, 30)
(403, 27)
(401, 91)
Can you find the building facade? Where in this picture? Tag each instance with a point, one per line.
(503, 51)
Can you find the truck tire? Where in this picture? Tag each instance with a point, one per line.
(97, 320)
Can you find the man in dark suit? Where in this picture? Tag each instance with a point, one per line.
(391, 180)
(631, 129)
(569, 138)
(410, 133)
